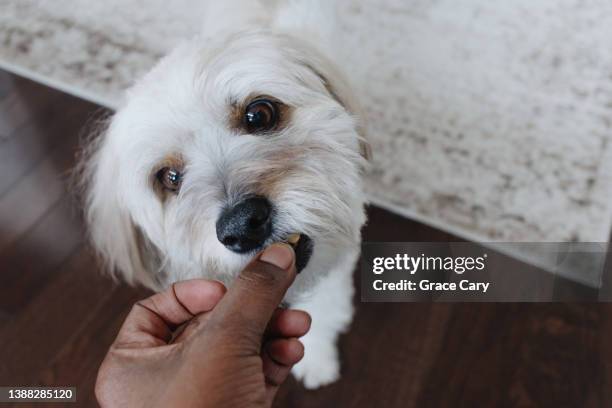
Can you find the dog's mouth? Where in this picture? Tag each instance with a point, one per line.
(303, 246)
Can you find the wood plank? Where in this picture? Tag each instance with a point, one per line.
(517, 355)
(51, 320)
(36, 192)
(22, 101)
(34, 260)
(35, 140)
(7, 83)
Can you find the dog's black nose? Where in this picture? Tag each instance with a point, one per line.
(246, 225)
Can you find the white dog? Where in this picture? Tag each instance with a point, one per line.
(241, 137)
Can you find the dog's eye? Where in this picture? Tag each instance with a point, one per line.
(170, 178)
(261, 116)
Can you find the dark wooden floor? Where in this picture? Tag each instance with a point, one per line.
(58, 314)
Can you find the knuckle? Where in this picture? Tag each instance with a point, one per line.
(245, 336)
(260, 274)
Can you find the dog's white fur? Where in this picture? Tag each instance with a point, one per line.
(181, 108)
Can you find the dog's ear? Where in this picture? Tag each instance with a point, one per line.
(339, 89)
(342, 93)
(123, 246)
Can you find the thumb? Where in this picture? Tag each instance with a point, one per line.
(248, 305)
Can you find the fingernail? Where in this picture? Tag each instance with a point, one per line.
(279, 255)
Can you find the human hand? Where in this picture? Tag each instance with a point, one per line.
(235, 350)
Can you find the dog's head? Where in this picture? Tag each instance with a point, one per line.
(223, 148)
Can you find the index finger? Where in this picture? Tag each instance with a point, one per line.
(151, 321)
